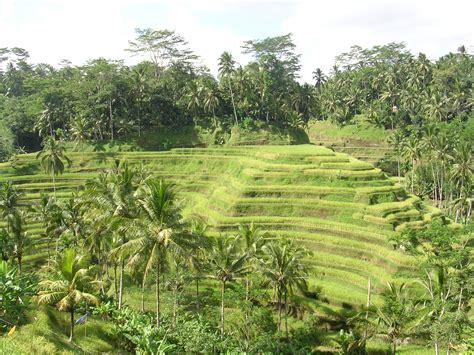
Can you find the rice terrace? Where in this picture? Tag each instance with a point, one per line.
(154, 206)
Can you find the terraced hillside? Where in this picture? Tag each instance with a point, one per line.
(341, 208)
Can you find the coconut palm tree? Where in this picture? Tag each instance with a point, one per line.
(319, 77)
(226, 69)
(66, 289)
(398, 316)
(52, 157)
(411, 151)
(283, 264)
(252, 240)
(211, 99)
(226, 262)
(9, 197)
(462, 170)
(162, 232)
(20, 237)
(114, 194)
(194, 96)
(44, 212)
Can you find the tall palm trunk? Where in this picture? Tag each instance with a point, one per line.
(71, 312)
(222, 309)
(20, 264)
(279, 310)
(54, 183)
(157, 285)
(175, 305)
(143, 295)
(115, 282)
(286, 314)
(247, 286)
(232, 99)
(120, 298)
(198, 304)
(111, 120)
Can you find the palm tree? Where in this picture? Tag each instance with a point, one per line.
(9, 197)
(44, 212)
(52, 157)
(226, 69)
(193, 95)
(19, 237)
(283, 264)
(252, 239)
(397, 317)
(79, 131)
(462, 170)
(227, 263)
(411, 151)
(319, 77)
(66, 290)
(162, 232)
(114, 194)
(211, 100)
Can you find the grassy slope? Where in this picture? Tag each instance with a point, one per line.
(363, 142)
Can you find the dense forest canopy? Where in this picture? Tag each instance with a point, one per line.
(106, 99)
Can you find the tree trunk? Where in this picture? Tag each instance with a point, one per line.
(120, 299)
(222, 309)
(20, 264)
(71, 334)
(143, 295)
(436, 348)
(54, 184)
(157, 285)
(115, 282)
(175, 305)
(198, 305)
(279, 311)
(394, 351)
(111, 120)
(247, 310)
(286, 315)
(232, 98)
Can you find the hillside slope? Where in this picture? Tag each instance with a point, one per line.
(341, 208)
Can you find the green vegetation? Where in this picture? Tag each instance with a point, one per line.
(139, 237)
(174, 211)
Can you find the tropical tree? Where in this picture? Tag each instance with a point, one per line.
(283, 264)
(319, 77)
(114, 194)
(52, 158)
(252, 240)
(19, 237)
(226, 70)
(411, 151)
(211, 99)
(9, 197)
(66, 288)
(162, 232)
(461, 173)
(398, 316)
(227, 263)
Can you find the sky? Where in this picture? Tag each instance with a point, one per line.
(79, 30)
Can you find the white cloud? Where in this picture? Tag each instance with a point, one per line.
(83, 29)
(324, 29)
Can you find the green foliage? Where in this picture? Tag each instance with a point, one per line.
(16, 290)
